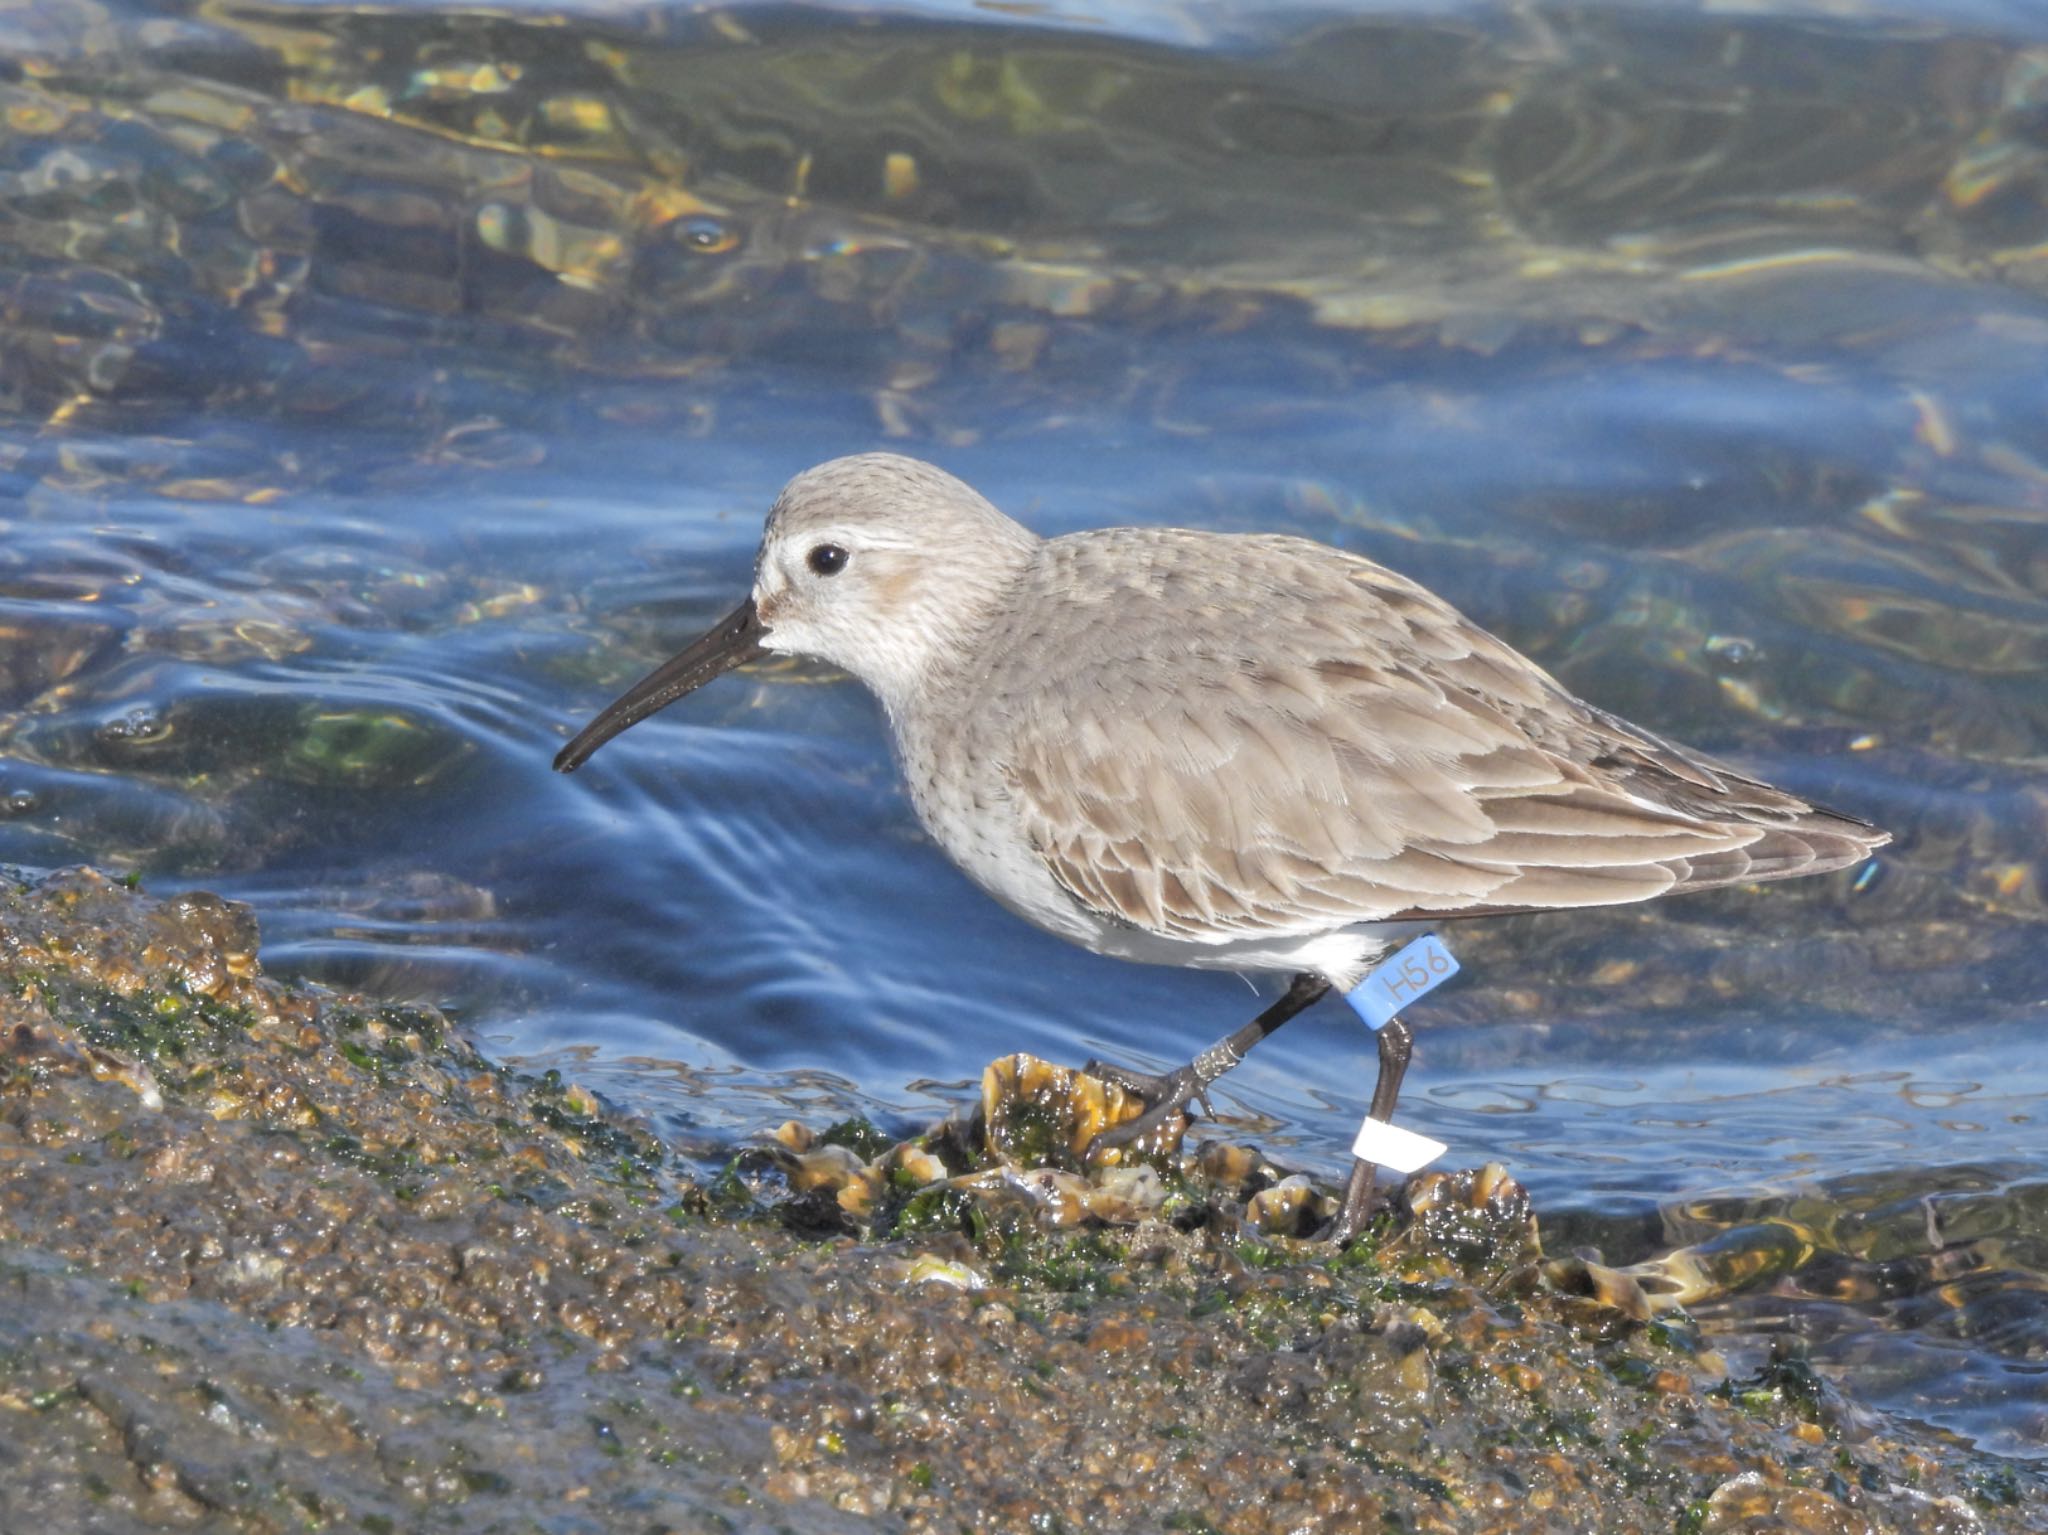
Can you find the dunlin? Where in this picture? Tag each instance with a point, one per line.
(1235, 752)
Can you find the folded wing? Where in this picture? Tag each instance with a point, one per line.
(1288, 740)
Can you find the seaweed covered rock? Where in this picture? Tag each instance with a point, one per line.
(273, 1258)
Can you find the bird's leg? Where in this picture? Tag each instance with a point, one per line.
(1396, 1044)
(1167, 1095)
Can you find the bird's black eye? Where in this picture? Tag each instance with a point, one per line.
(826, 559)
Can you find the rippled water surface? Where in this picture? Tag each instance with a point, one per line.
(384, 389)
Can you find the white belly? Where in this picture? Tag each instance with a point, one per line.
(974, 825)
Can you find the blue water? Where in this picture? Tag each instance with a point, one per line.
(1698, 356)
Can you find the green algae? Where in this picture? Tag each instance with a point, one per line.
(166, 1028)
(930, 1211)
(857, 1136)
(367, 749)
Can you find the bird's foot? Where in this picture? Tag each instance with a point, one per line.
(1163, 1096)
(1346, 1228)
(1361, 1202)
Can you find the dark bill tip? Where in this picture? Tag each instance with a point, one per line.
(733, 641)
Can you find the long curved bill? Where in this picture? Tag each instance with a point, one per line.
(733, 641)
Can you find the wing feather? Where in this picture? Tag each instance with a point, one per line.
(1281, 738)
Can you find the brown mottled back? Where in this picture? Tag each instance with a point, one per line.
(1206, 735)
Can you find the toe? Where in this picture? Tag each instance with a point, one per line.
(1142, 1084)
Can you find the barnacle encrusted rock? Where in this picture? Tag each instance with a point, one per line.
(272, 1257)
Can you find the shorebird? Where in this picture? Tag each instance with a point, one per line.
(1242, 752)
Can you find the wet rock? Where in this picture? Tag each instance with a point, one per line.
(1479, 1216)
(1037, 1114)
(1603, 1286)
(271, 1257)
(1750, 1502)
(1291, 1207)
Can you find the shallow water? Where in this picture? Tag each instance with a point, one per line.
(383, 391)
